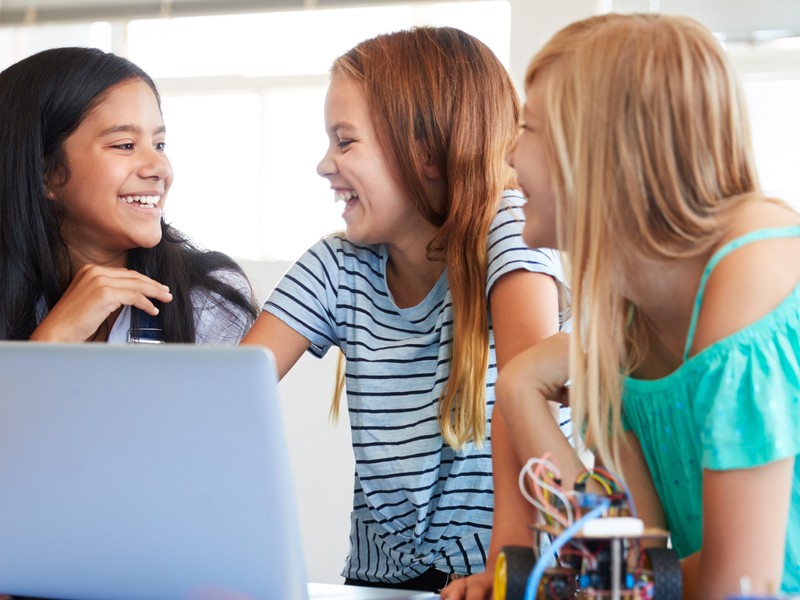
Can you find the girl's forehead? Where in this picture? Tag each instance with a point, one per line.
(345, 85)
(130, 103)
(346, 99)
(534, 94)
(129, 90)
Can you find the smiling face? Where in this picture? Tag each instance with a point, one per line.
(531, 162)
(118, 178)
(376, 209)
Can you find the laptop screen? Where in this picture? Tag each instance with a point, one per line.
(144, 472)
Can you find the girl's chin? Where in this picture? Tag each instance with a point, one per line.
(529, 236)
(149, 241)
(352, 236)
(359, 236)
(535, 236)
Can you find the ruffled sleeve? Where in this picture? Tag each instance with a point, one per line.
(747, 395)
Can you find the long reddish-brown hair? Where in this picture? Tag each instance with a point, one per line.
(440, 97)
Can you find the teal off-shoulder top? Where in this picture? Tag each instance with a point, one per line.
(733, 405)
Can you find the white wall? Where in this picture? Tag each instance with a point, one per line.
(320, 453)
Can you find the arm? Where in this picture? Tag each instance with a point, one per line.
(524, 309)
(530, 381)
(640, 485)
(745, 518)
(285, 343)
(93, 294)
(746, 510)
(299, 311)
(745, 514)
(741, 538)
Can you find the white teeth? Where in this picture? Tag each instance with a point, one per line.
(144, 200)
(344, 196)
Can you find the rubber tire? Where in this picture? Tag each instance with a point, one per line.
(519, 564)
(667, 576)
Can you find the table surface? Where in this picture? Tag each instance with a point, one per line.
(330, 591)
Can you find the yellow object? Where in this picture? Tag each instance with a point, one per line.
(500, 577)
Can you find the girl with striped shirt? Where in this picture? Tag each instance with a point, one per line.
(427, 292)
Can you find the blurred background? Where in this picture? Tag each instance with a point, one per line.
(243, 83)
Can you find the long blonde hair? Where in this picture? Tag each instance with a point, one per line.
(439, 96)
(649, 148)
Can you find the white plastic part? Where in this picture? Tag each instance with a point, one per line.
(613, 527)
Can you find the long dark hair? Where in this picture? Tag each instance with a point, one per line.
(43, 99)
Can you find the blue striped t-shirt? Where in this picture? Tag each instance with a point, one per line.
(418, 503)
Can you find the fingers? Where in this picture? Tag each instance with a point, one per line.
(454, 590)
(95, 293)
(117, 278)
(474, 587)
(478, 592)
(135, 298)
(114, 287)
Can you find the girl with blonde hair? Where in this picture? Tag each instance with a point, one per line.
(684, 359)
(427, 292)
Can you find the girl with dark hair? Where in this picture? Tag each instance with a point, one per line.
(85, 254)
(428, 292)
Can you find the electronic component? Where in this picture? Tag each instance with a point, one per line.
(587, 545)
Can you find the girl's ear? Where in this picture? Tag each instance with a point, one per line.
(52, 183)
(431, 171)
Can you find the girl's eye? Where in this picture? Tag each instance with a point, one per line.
(128, 146)
(344, 144)
(161, 146)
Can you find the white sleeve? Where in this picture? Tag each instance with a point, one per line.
(216, 320)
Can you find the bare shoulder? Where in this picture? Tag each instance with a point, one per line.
(751, 280)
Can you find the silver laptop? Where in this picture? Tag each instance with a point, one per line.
(140, 472)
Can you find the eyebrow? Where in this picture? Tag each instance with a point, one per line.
(341, 125)
(129, 128)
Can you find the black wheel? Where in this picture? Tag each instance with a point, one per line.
(514, 565)
(666, 569)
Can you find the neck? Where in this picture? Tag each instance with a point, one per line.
(80, 257)
(663, 292)
(410, 275)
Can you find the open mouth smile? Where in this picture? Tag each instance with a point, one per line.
(143, 201)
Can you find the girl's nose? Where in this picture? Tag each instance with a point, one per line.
(510, 154)
(327, 166)
(155, 165)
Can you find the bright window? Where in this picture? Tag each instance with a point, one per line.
(215, 151)
(245, 120)
(775, 122)
(18, 42)
(243, 100)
